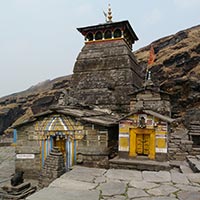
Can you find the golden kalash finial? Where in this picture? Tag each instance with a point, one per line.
(109, 16)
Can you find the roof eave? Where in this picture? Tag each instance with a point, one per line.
(150, 112)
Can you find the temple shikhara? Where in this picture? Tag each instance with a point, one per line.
(106, 70)
(112, 113)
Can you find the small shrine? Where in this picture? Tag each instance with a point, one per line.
(144, 132)
(83, 136)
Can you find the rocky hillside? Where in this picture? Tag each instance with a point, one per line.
(36, 99)
(176, 70)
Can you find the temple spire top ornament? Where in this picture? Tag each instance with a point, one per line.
(109, 15)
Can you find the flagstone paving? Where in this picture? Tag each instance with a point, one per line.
(116, 184)
(113, 184)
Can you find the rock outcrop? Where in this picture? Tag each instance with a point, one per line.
(38, 98)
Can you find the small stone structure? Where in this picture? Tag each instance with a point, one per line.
(17, 179)
(53, 168)
(84, 136)
(194, 136)
(144, 133)
(17, 192)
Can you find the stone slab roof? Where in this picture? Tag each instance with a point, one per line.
(92, 116)
(153, 113)
(153, 89)
(158, 115)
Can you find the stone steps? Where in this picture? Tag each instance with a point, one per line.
(185, 168)
(148, 165)
(194, 163)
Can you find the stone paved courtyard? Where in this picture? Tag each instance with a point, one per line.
(114, 184)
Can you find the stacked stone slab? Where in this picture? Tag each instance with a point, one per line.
(194, 128)
(150, 97)
(181, 144)
(53, 168)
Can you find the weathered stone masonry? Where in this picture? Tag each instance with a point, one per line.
(106, 70)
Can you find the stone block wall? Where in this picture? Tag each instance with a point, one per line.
(179, 145)
(93, 150)
(104, 74)
(27, 153)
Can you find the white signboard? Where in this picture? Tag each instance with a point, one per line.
(25, 156)
(124, 142)
(161, 150)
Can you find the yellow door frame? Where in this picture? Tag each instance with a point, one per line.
(133, 134)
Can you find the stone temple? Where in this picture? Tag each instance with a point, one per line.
(107, 113)
(106, 70)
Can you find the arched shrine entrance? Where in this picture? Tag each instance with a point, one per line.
(62, 132)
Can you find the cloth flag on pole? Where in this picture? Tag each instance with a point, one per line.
(152, 56)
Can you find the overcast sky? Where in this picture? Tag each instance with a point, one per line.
(39, 40)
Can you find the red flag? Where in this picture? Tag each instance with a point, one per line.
(152, 56)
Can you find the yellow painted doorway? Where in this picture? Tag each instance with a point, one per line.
(142, 142)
